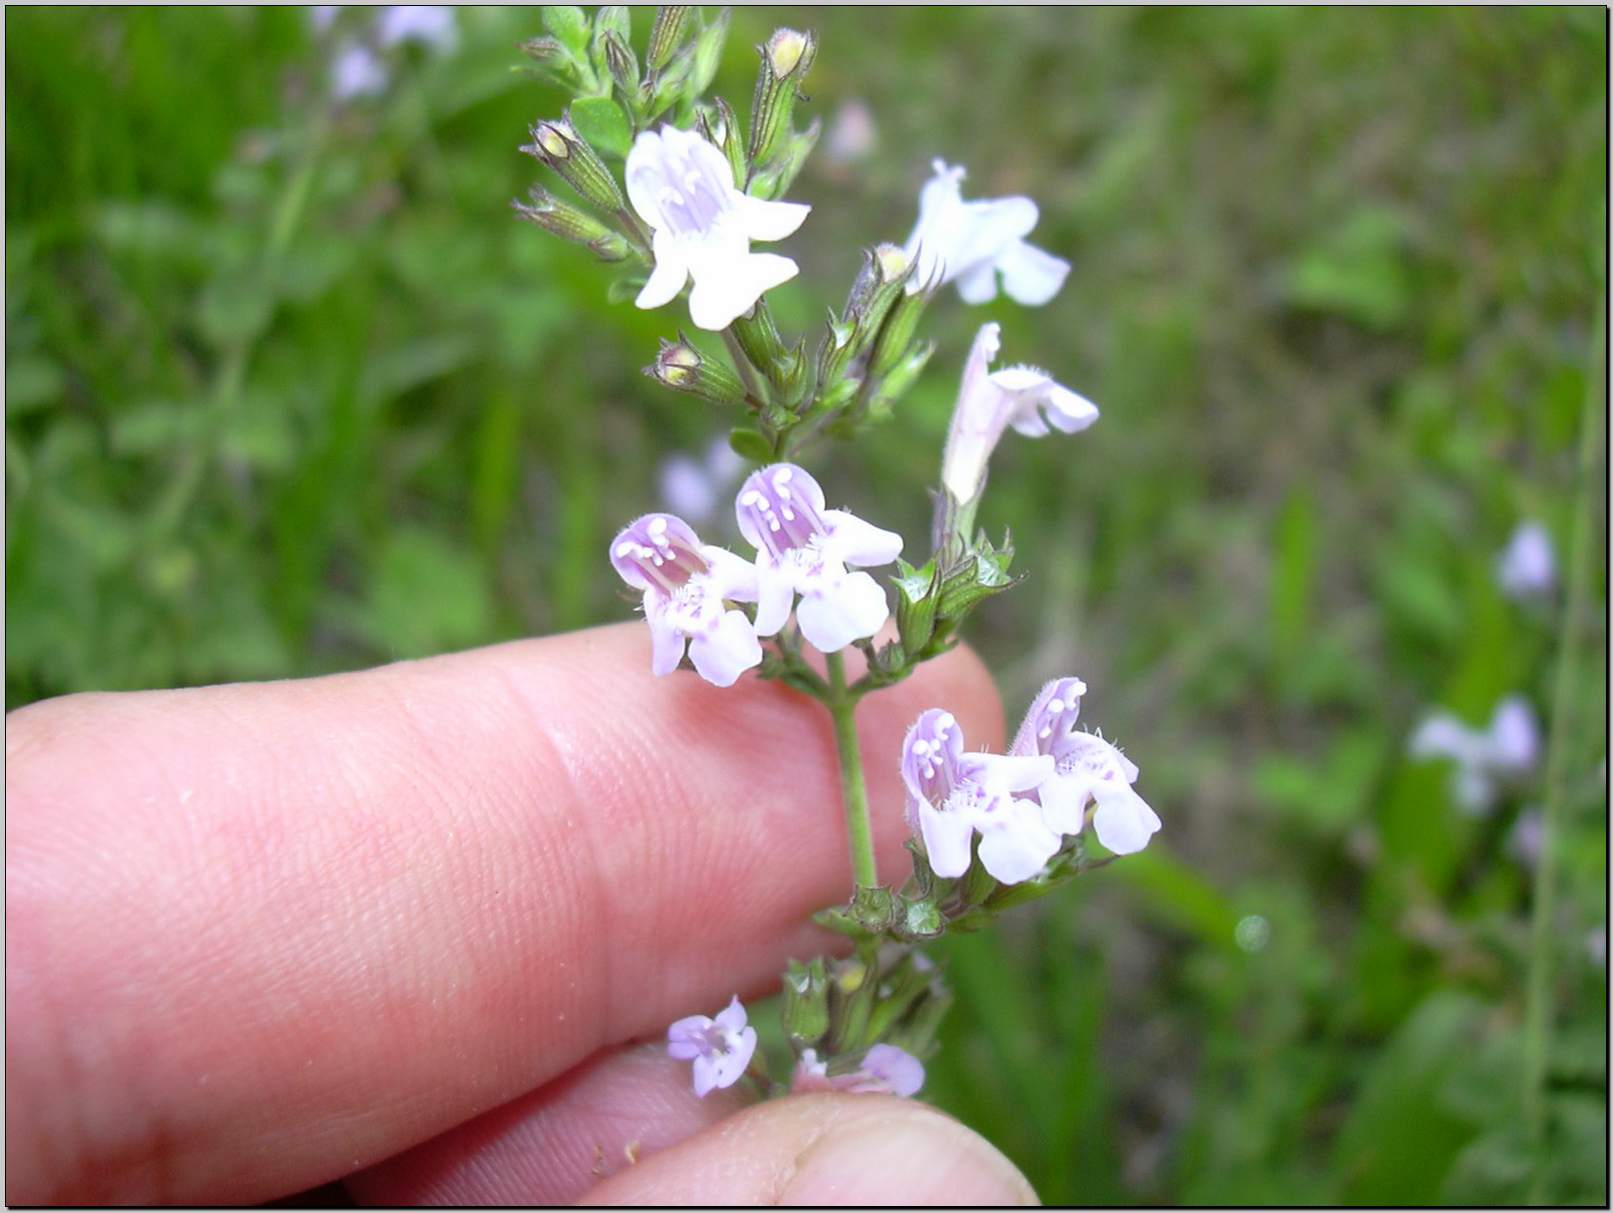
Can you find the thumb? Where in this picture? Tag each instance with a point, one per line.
(825, 1149)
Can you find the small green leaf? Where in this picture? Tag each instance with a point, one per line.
(569, 25)
(601, 122)
(750, 444)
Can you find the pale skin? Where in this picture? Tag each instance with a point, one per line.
(418, 929)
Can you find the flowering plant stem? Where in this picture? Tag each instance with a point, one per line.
(842, 704)
(1538, 1000)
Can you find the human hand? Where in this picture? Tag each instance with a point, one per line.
(401, 926)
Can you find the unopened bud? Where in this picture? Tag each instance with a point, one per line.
(759, 338)
(666, 35)
(786, 58)
(573, 224)
(893, 386)
(547, 51)
(622, 64)
(779, 174)
(682, 367)
(557, 145)
(896, 335)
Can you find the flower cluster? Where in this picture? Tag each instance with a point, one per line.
(1487, 760)
(802, 550)
(1024, 803)
(671, 189)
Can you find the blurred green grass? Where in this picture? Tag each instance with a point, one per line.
(290, 391)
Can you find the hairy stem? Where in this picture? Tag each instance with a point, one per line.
(842, 704)
(1570, 658)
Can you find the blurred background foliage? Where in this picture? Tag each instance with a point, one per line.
(290, 390)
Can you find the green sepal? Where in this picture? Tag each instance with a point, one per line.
(874, 907)
(982, 573)
(915, 604)
(805, 1013)
(708, 53)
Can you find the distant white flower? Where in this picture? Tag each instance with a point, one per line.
(431, 25)
(323, 16)
(356, 72)
(990, 401)
(1528, 837)
(1485, 759)
(682, 186)
(970, 243)
(1527, 568)
(851, 134)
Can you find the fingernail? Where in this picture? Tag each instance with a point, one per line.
(916, 1156)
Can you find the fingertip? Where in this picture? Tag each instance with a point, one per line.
(826, 1149)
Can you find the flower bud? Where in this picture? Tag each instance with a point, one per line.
(666, 35)
(895, 383)
(682, 367)
(786, 58)
(878, 286)
(759, 338)
(780, 174)
(547, 51)
(806, 1001)
(557, 145)
(573, 224)
(622, 64)
(896, 336)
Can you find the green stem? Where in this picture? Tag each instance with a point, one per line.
(842, 705)
(231, 373)
(1571, 636)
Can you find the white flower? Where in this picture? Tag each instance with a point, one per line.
(1086, 768)
(803, 548)
(990, 401)
(970, 243)
(1527, 568)
(431, 25)
(685, 583)
(1485, 758)
(952, 795)
(683, 188)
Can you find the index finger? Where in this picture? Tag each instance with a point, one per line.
(259, 936)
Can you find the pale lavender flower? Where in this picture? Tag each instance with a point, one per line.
(683, 187)
(1486, 759)
(970, 243)
(885, 1070)
(685, 583)
(1086, 768)
(990, 401)
(951, 795)
(720, 1048)
(1527, 567)
(1596, 945)
(431, 25)
(356, 72)
(803, 548)
(692, 487)
(1528, 837)
(323, 16)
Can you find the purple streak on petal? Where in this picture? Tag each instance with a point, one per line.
(657, 551)
(1051, 717)
(779, 508)
(931, 754)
